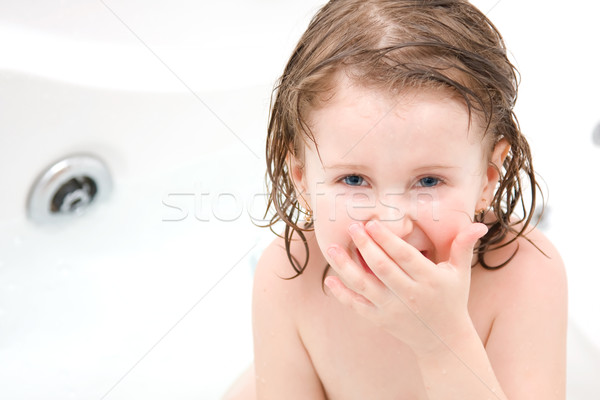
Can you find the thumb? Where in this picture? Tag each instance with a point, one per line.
(461, 251)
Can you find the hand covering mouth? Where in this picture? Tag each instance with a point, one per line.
(363, 262)
(369, 270)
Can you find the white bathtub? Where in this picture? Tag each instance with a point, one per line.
(147, 295)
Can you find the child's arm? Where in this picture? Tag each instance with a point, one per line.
(527, 343)
(425, 306)
(525, 352)
(283, 367)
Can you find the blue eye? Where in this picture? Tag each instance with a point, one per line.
(429, 181)
(353, 180)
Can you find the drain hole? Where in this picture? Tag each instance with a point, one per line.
(73, 195)
(67, 188)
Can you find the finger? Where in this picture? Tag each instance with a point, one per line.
(349, 298)
(355, 277)
(461, 252)
(407, 257)
(393, 275)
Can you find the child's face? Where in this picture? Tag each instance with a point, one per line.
(411, 162)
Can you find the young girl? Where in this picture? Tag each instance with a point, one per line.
(392, 135)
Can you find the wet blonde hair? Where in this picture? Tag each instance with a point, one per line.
(395, 45)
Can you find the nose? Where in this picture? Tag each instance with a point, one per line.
(400, 226)
(396, 215)
(397, 211)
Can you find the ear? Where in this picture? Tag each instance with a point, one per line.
(492, 174)
(298, 175)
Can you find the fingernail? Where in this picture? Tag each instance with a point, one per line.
(332, 251)
(330, 283)
(483, 229)
(371, 225)
(354, 228)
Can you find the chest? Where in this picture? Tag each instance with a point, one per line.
(356, 360)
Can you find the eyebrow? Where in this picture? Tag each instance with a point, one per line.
(436, 166)
(346, 166)
(363, 167)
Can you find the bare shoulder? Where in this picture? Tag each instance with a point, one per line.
(536, 267)
(280, 358)
(529, 306)
(272, 277)
(274, 261)
(278, 280)
(278, 264)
